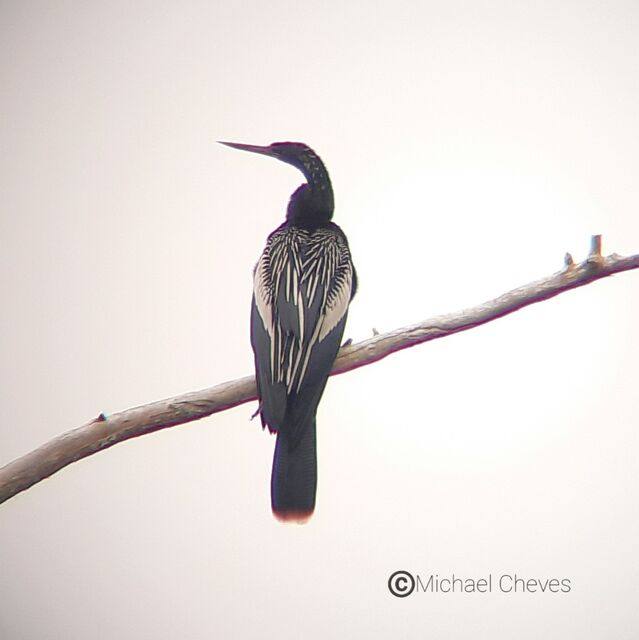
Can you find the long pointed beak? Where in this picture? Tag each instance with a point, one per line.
(267, 151)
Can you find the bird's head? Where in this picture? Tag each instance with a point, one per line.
(300, 155)
(313, 200)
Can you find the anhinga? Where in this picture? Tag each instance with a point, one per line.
(302, 286)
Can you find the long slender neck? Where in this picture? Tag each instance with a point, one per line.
(312, 203)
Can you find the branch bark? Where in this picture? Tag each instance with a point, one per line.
(105, 431)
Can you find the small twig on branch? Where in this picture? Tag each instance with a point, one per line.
(105, 431)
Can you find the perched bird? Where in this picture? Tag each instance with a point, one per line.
(303, 283)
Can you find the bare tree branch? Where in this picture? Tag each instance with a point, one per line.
(105, 431)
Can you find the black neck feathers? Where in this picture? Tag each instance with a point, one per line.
(312, 203)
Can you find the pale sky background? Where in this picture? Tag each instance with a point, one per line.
(470, 144)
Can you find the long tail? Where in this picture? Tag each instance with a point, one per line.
(294, 477)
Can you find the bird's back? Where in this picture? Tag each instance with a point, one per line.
(302, 286)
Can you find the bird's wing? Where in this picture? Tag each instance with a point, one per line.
(303, 284)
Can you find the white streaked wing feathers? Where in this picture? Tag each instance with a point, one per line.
(337, 306)
(306, 264)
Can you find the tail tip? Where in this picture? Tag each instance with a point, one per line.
(291, 516)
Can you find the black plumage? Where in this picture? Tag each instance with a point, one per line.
(303, 283)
